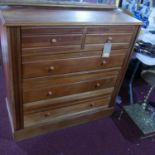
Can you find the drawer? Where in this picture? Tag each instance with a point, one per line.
(64, 66)
(85, 53)
(30, 31)
(66, 101)
(39, 54)
(45, 82)
(110, 29)
(102, 38)
(65, 90)
(52, 115)
(50, 40)
(99, 47)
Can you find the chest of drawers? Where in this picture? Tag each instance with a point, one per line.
(54, 70)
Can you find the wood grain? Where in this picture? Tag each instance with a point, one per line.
(45, 82)
(65, 66)
(15, 45)
(42, 55)
(10, 41)
(43, 16)
(68, 89)
(55, 75)
(40, 129)
(110, 29)
(125, 65)
(99, 47)
(64, 101)
(51, 50)
(60, 113)
(101, 39)
(59, 52)
(51, 40)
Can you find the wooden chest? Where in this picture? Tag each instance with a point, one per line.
(54, 70)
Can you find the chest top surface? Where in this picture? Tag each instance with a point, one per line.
(37, 16)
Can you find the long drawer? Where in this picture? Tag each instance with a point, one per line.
(72, 49)
(39, 56)
(76, 110)
(64, 66)
(66, 101)
(68, 89)
(45, 82)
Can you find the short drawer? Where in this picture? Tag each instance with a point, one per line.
(65, 90)
(50, 40)
(99, 47)
(29, 31)
(102, 38)
(64, 66)
(110, 29)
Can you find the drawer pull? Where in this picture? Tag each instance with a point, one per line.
(53, 40)
(50, 93)
(98, 85)
(47, 114)
(109, 40)
(103, 62)
(92, 104)
(51, 68)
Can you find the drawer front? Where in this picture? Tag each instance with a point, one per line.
(50, 40)
(65, 66)
(66, 101)
(110, 29)
(45, 82)
(85, 53)
(29, 31)
(101, 39)
(50, 115)
(65, 90)
(51, 50)
(31, 55)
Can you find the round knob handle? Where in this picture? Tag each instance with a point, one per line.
(53, 40)
(47, 114)
(98, 84)
(92, 104)
(50, 93)
(51, 68)
(109, 39)
(103, 62)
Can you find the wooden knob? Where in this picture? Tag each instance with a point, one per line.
(92, 104)
(50, 93)
(98, 84)
(51, 68)
(109, 39)
(103, 62)
(47, 114)
(53, 40)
